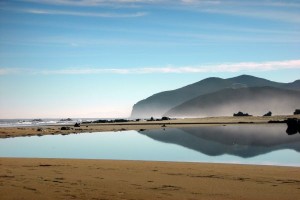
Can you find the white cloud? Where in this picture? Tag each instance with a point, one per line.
(83, 14)
(258, 66)
(5, 71)
(292, 17)
(116, 3)
(92, 2)
(200, 2)
(264, 9)
(261, 9)
(226, 67)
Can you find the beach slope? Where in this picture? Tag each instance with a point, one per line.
(104, 179)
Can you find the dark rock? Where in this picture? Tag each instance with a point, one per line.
(165, 118)
(241, 114)
(293, 126)
(39, 129)
(120, 120)
(101, 121)
(276, 122)
(77, 124)
(268, 114)
(65, 128)
(66, 120)
(37, 120)
(297, 112)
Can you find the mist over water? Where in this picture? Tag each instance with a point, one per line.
(255, 101)
(222, 97)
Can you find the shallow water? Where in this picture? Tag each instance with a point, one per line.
(244, 144)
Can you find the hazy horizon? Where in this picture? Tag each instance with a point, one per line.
(97, 58)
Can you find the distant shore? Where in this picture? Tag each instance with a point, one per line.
(7, 132)
(107, 179)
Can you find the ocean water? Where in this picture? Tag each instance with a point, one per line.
(242, 144)
(41, 122)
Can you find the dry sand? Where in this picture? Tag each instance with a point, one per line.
(102, 179)
(6, 132)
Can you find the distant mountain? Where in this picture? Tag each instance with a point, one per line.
(158, 104)
(292, 86)
(255, 101)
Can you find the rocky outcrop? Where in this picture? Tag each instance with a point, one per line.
(297, 112)
(268, 114)
(241, 114)
(77, 124)
(293, 126)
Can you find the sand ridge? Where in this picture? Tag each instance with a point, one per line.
(7, 132)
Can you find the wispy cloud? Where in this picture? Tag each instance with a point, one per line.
(256, 3)
(170, 3)
(273, 10)
(264, 9)
(292, 17)
(81, 14)
(87, 3)
(4, 71)
(226, 67)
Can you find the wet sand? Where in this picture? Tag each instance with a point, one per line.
(6, 132)
(104, 179)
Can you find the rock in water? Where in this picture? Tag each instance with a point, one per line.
(293, 126)
(77, 124)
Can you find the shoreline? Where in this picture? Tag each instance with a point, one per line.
(156, 161)
(111, 179)
(23, 131)
(68, 178)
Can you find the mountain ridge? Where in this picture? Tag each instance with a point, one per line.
(254, 100)
(158, 104)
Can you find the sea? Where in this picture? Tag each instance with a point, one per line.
(43, 122)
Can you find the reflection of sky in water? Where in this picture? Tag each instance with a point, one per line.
(128, 145)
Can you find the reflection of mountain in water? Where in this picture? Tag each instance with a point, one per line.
(240, 140)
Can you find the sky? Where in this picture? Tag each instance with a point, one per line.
(97, 58)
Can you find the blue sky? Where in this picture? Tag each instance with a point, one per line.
(96, 58)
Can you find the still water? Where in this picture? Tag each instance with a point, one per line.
(245, 144)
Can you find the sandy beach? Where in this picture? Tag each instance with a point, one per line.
(103, 179)
(36, 178)
(6, 132)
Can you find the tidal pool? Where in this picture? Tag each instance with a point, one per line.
(243, 144)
